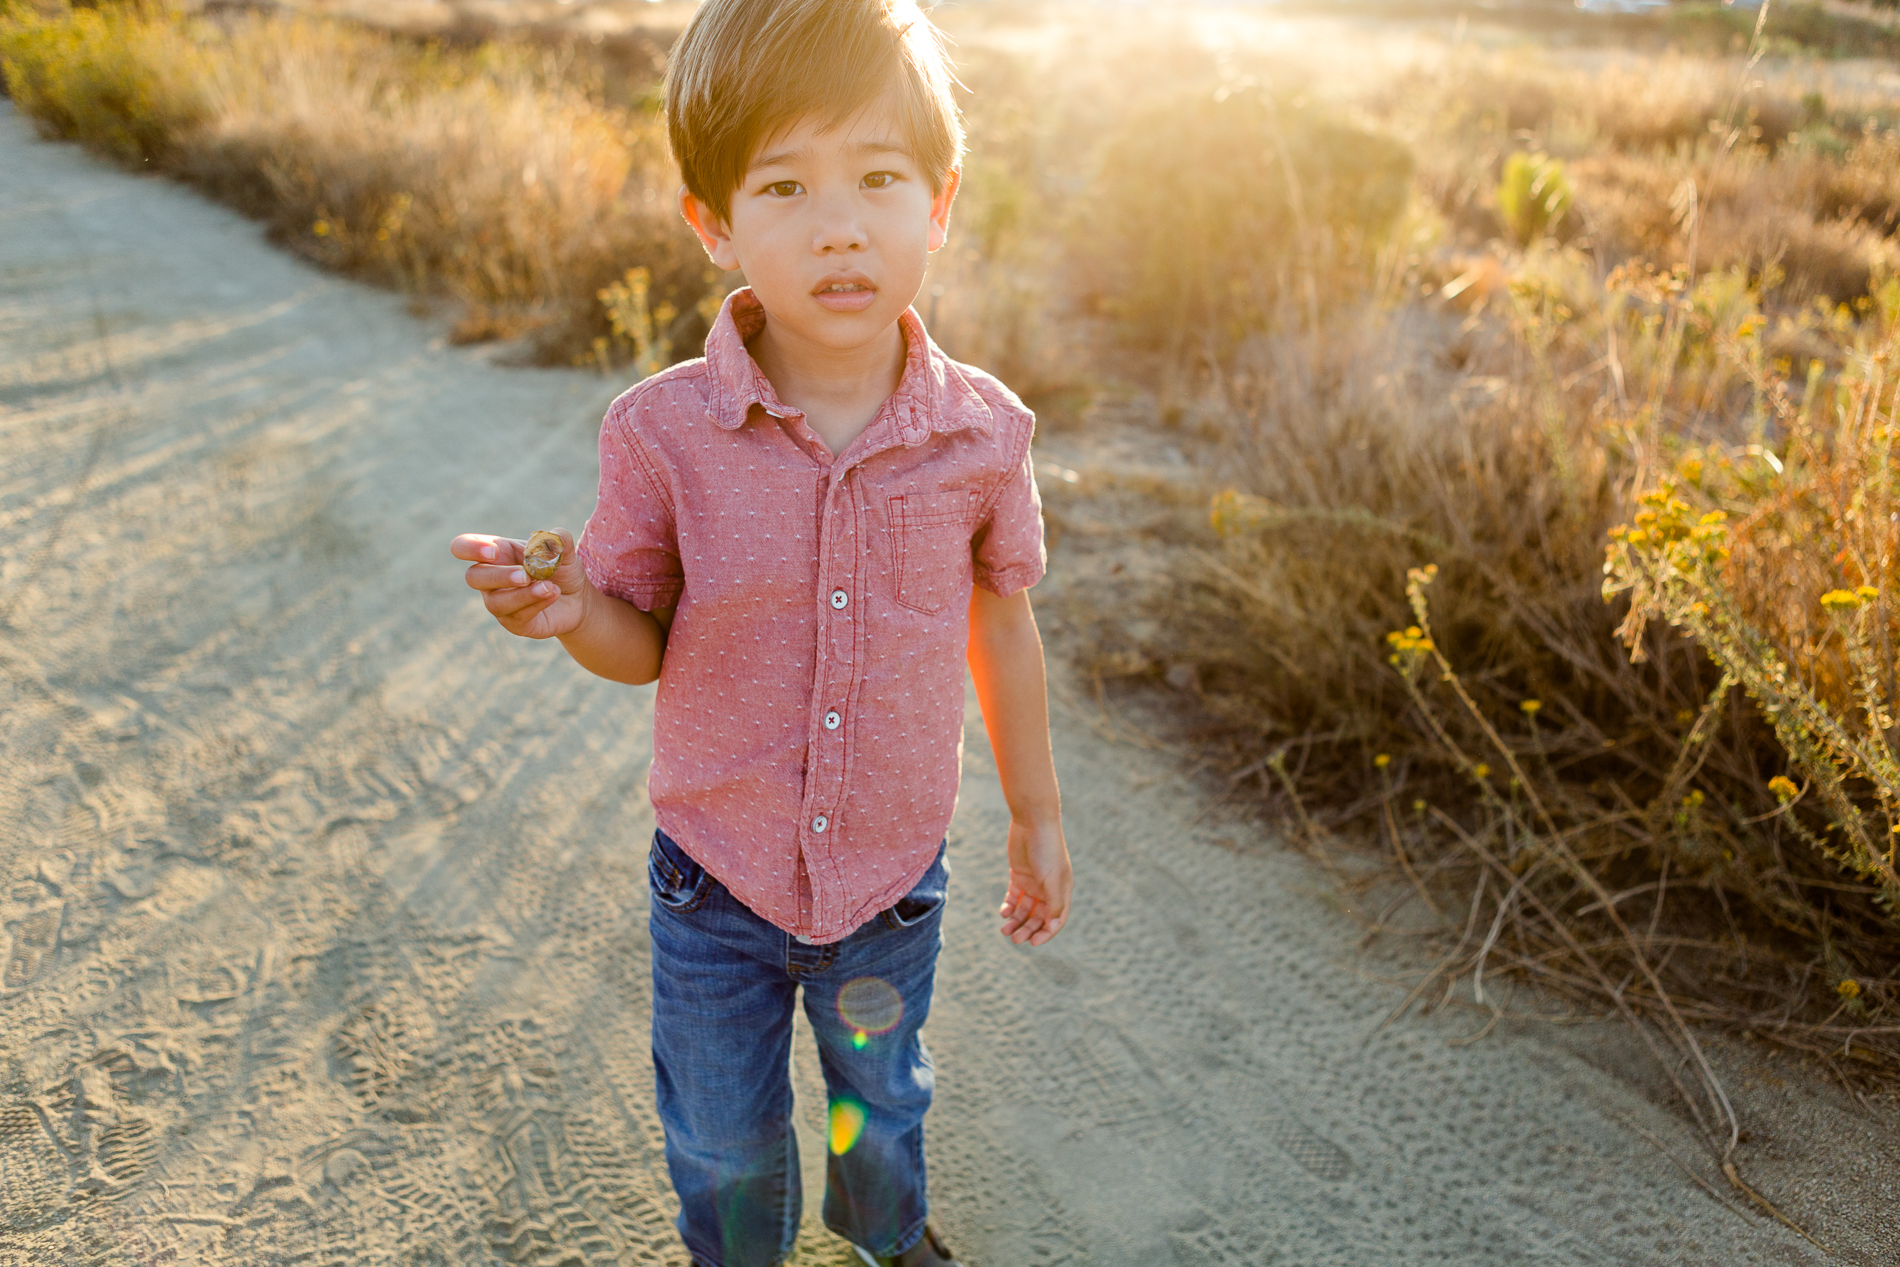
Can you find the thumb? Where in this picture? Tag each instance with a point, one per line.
(570, 576)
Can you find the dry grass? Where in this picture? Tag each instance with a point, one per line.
(498, 177)
(1804, 198)
(1497, 427)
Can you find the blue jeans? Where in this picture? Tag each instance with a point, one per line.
(724, 985)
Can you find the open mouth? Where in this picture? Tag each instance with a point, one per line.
(846, 294)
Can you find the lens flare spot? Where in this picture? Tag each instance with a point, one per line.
(847, 1123)
(870, 1005)
(859, 1039)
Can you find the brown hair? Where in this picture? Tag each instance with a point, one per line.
(745, 69)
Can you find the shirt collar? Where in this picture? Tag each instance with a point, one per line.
(932, 395)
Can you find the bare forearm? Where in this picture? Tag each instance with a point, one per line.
(616, 640)
(1006, 665)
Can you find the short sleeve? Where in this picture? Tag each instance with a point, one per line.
(630, 549)
(1008, 544)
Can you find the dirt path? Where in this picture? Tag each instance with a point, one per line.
(324, 902)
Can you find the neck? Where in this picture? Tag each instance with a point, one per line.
(839, 390)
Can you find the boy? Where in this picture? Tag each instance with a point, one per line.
(803, 536)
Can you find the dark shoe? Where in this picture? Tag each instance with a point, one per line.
(929, 1251)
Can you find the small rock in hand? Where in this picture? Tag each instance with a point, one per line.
(543, 555)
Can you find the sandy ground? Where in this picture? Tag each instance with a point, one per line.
(324, 903)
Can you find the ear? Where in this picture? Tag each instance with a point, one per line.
(940, 208)
(714, 234)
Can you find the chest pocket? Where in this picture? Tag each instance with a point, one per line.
(933, 546)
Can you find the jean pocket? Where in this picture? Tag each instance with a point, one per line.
(932, 551)
(924, 900)
(679, 884)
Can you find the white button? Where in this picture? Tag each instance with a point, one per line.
(820, 823)
(801, 939)
(839, 598)
(832, 720)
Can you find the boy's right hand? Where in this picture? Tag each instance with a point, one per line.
(532, 609)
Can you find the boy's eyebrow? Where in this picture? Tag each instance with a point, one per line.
(865, 148)
(776, 158)
(881, 147)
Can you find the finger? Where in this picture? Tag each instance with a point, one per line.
(518, 602)
(1020, 917)
(1010, 899)
(1049, 929)
(571, 572)
(1028, 929)
(495, 576)
(522, 622)
(482, 547)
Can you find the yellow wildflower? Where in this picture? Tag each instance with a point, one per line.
(1530, 707)
(1848, 989)
(1783, 787)
(1383, 760)
(321, 228)
(1482, 770)
(1409, 639)
(1867, 593)
(1840, 600)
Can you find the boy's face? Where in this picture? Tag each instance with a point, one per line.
(833, 228)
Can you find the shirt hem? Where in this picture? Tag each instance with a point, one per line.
(1010, 580)
(878, 903)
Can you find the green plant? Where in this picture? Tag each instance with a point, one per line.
(1533, 195)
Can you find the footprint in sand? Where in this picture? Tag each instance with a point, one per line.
(34, 937)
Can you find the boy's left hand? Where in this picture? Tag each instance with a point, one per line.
(1040, 882)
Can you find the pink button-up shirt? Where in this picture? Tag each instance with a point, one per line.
(808, 726)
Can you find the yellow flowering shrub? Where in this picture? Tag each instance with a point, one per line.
(1777, 558)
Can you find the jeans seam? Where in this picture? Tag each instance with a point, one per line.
(823, 965)
(701, 892)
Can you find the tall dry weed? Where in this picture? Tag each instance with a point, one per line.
(113, 78)
(488, 177)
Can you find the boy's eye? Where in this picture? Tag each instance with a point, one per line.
(880, 180)
(782, 188)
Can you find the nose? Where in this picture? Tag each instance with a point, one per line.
(837, 227)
